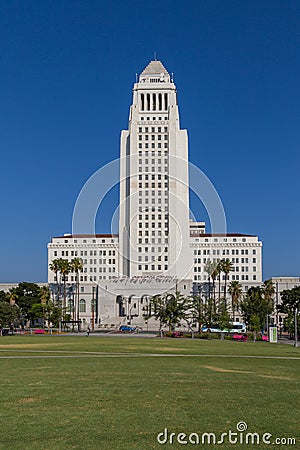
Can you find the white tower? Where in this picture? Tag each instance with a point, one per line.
(154, 190)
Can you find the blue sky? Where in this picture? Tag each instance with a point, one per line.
(67, 70)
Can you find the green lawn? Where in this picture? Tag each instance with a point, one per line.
(65, 392)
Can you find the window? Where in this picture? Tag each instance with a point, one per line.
(82, 305)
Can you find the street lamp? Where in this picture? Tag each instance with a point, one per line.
(296, 327)
(93, 309)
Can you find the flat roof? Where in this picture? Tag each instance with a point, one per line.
(71, 236)
(226, 235)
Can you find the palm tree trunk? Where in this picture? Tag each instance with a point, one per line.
(57, 287)
(65, 297)
(77, 289)
(214, 295)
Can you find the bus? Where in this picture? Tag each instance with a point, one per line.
(236, 327)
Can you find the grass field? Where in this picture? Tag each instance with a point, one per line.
(64, 392)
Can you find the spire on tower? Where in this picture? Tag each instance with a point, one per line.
(155, 67)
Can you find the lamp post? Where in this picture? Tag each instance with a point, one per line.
(93, 309)
(277, 304)
(296, 327)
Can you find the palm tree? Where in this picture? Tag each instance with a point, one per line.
(12, 296)
(64, 268)
(77, 266)
(55, 267)
(268, 289)
(209, 270)
(227, 267)
(169, 309)
(214, 274)
(235, 290)
(44, 296)
(219, 270)
(197, 310)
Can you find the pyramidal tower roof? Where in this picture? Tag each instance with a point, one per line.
(154, 68)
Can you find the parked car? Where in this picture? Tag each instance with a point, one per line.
(177, 334)
(127, 328)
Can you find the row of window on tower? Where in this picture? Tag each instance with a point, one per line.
(146, 137)
(224, 252)
(153, 267)
(84, 253)
(153, 129)
(154, 102)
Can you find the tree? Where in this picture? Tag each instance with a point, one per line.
(254, 325)
(223, 318)
(235, 290)
(65, 268)
(290, 299)
(197, 310)
(37, 311)
(209, 270)
(25, 295)
(12, 296)
(255, 303)
(8, 314)
(55, 267)
(268, 290)
(77, 267)
(45, 306)
(44, 295)
(214, 274)
(219, 271)
(169, 309)
(226, 268)
(291, 306)
(54, 314)
(210, 315)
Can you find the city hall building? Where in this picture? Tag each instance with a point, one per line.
(158, 248)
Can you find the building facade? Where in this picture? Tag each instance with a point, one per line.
(158, 248)
(119, 300)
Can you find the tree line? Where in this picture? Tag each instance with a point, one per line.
(255, 306)
(31, 303)
(62, 268)
(25, 303)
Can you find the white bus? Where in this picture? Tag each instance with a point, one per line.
(237, 327)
